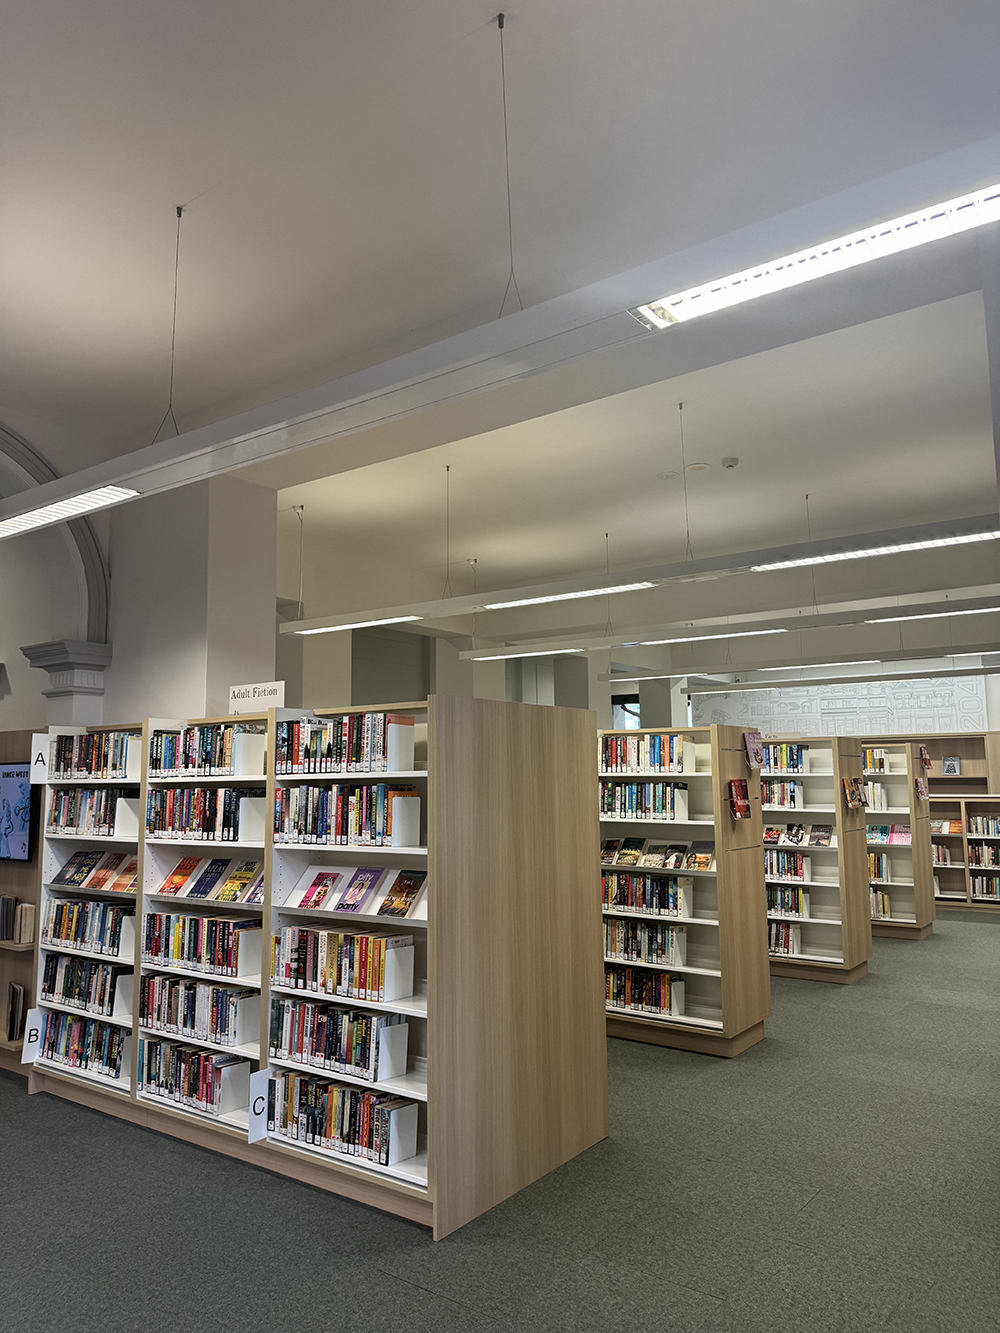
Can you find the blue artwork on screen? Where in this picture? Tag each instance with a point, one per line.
(15, 812)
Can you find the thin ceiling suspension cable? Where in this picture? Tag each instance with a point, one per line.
(473, 563)
(299, 511)
(447, 532)
(809, 537)
(688, 552)
(173, 333)
(506, 152)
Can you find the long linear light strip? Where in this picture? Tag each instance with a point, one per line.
(567, 596)
(701, 638)
(929, 544)
(936, 615)
(548, 652)
(816, 666)
(359, 624)
(858, 247)
(64, 509)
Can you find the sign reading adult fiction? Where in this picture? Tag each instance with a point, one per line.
(256, 698)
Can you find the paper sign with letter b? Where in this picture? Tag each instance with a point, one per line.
(32, 1035)
(257, 1124)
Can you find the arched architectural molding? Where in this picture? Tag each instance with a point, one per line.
(26, 462)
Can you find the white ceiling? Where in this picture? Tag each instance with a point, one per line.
(343, 165)
(883, 424)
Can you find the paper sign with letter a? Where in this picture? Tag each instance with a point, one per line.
(39, 756)
(32, 1033)
(257, 1124)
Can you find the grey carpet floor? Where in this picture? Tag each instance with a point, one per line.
(843, 1175)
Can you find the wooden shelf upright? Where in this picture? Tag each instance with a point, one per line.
(507, 1061)
(910, 884)
(18, 879)
(835, 938)
(719, 912)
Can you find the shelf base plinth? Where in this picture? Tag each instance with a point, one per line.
(656, 1033)
(890, 931)
(836, 972)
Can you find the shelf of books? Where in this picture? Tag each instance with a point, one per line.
(333, 905)
(899, 840)
(815, 860)
(685, 939)
(18, 896)
(965, 848)
(957, 764)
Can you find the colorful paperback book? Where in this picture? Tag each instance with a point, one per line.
(772, 834)
(675, 856)
(939, 825)
(403, 893)
(794, 835)
(899, 835)
(232, 889)
(127, 879)
(630, 852)
(739, 798)
(655, 855)
(754, 743)
(701, 856)
(254, 892)
(209, 877)
(105, 872)
(78, 868)
(821, 835)
(609, 849)
(878, 833)
(319, 891)
(360, 888)
(180, 875)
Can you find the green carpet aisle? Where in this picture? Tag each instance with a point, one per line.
(841, 1176)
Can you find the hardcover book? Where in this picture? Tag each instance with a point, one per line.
(231, 890)
(772, 834)
(106, 870)
(655, 855)
(321, 889)
(739, 798)
(79, 866)
(675, 856)
(821, 835)
(701, 856)
(360, 888)
(754, 743)
(609, 849)
(127, 879)
(794, 835)
(630, 851)
(209, 877)
(180, 875)
(402, 893)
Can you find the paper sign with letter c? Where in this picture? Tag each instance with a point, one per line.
(257, 1123)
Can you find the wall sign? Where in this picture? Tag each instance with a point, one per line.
(32, 1035)
(256, 698)
(257, 1123)
(39, 756)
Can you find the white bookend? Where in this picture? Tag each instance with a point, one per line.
(805, 903)
(795, 941)
(126, 940)
(248, 754)
(248, 953)
(252, 818)
(247, 1020)
(127, 818)
(679, 946)
(676, 998)
(405, 821)
(399, 746)
(688, 763)
(685, 894)
(133, 759)
(402, 1133)
(392, 1046)
(123, 995)
(805, 759)
(807, 867)
(398, 974)
(680, 803)
(234, 1090)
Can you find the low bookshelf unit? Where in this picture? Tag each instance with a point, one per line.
(685, 938)
(965, 850)
(899, 842)
(299, 938)
(815, 861)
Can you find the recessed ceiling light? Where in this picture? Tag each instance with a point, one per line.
(698, 467)
(668, 476)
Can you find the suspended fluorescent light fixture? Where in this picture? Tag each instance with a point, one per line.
(546, 652)
(859, 247)
(359, 624)
(960, 539)
(703, 638)
(567, 596)
(816, 666)
(936, 615)
(66, 509)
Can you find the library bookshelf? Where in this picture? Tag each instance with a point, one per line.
(965, 852)
(707, 922)
(475, 1113)
(900, 871)
(978, 753)
(18, 879)
(816, 862)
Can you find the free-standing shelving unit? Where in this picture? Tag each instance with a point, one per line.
(508, 945)
(722, 909)
(895, 768)
(834, 941)
(970, 879)
(18, 879)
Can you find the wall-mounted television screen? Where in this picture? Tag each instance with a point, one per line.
(15, 812)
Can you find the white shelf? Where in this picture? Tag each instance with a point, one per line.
(832, 961)
(975, 837)
(251, 1051)
(959, 865)
(664, 967)
(53, 946)
(800, 809)
(251, 982)
(413, 1084)
(892, 846)
(100, 1080)
(654, 819)
(795, 773)
(412, 1171)
(164, 899)
(202, 842)
(292, 779)
(414, 1006)
(368, 849)
(364, 917)
(650, 773)
(64, 1008)
(787, 916)
(894, 883)
(239, 780)
(954, 898)
(91, 837)
(897, 773)
(894, 921)
(658, 870)
(661, 916)
(94, 782)
(805, 883)
(74, 891)
(238, 1119)
(683, 1020)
